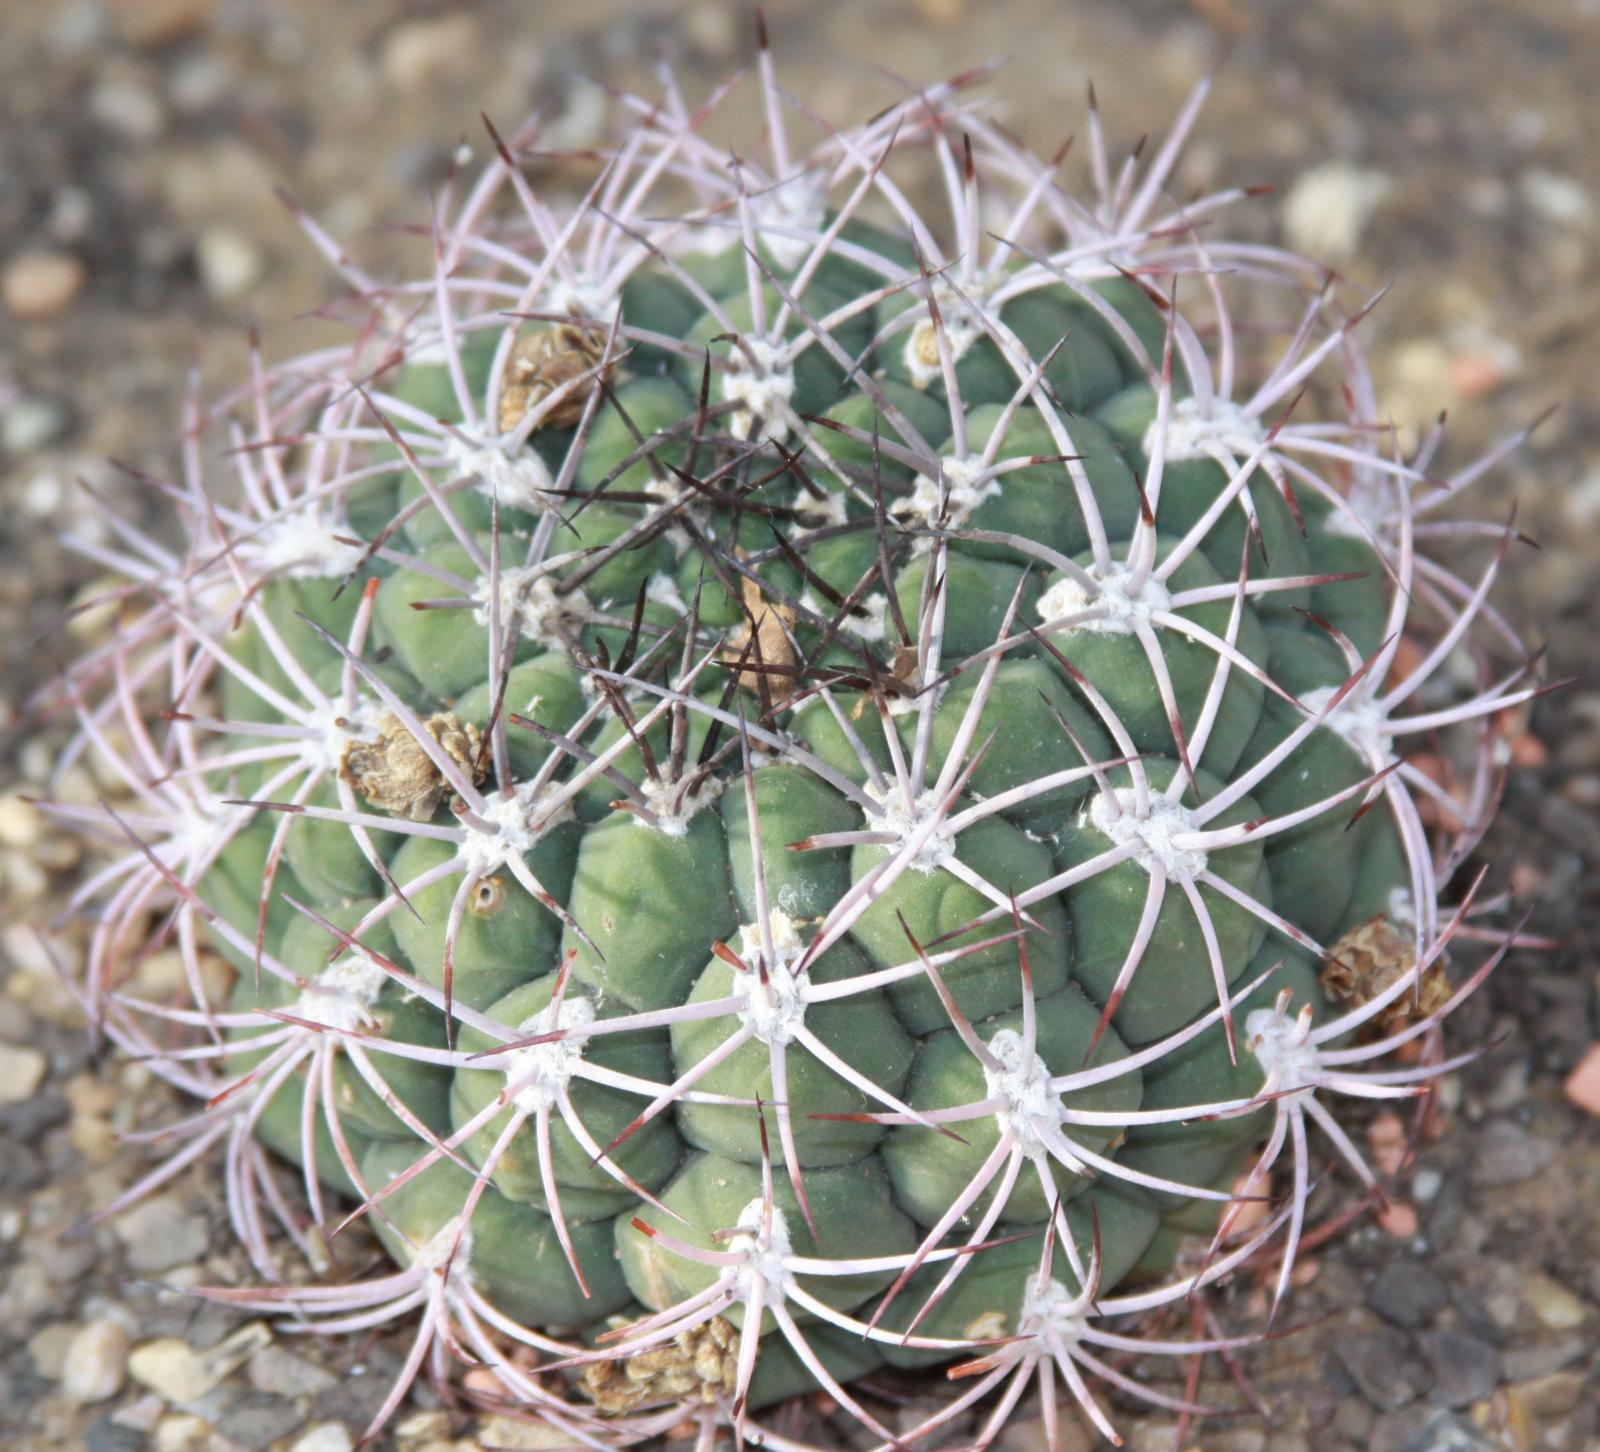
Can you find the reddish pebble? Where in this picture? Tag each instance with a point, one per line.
(1398, 1220)
(1387, 1137)
(1583, 1083)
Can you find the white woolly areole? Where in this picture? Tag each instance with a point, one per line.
(962, 329)
(799, 205)
(301, 545)
(1128, 601)
(1196, 434)
(591, 298)
(761, 1238)
(1361, 721)
(1053, 1309)
(448, 1248)
(762, 385)
(552, 1064)
(907, 821)
(1282, 1046)
(662, 589)
(336, 727)
(340, 998)
(517, 822)
(1151, 834)
(951, 499)
(1032, 1108)
(796, 204)
(674, 807)
(528, 596)
(518, 482)
(869, 621)
(776, 1008)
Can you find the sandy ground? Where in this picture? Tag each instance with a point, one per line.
(1448, 148)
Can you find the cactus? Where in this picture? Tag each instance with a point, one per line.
(791, 785)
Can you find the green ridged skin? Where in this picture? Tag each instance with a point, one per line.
(653, 871)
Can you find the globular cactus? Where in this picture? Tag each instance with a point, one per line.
(790, 784)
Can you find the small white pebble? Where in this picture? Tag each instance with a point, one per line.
(96, 1363)
(1328, 208)
(172, 1369)
(40, 284)
(324, 1437)
(22, 1071)
(19, 822)
(229, 262)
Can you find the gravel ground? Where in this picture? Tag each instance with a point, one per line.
(1447, 145)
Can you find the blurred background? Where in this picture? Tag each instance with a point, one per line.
(1450, 147)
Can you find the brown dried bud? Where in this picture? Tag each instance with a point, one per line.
(542, 361)
(1370, 959)
(395, 773)
(700, 1364)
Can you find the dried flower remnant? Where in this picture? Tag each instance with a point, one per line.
(1370, 959)
(561, 356)
(698, 1365)
(395, 772)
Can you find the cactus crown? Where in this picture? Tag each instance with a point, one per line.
(783, 776)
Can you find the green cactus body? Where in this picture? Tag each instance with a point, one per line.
(862, 844)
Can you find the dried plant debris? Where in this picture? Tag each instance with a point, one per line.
(697, 1365)
(396, 773)
(565, 356)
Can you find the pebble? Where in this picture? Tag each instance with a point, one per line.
(284, 1374)
(47, 1348)
(1328, 208)
(180, 1375)
(1554, 1395)
(1582, 1086)
(1385, 1369)
(1446, 1433)
(1408, 1294)
(109, 1435)
(128, 108)
(1560, 199)
(172, 1369)
(1465, 1369)
(160, 1234)
(230, 263)
(181, 1434)
(30, 424)
(324, 1437)
(258, 1420)
(1027, 1434)
(96, 1362)
(516, 1434)
(1554, 1305)
(150, 24)
(38, 285)
(419, 53)
(22, 1071)
(1507, 1155)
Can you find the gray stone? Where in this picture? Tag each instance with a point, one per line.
(1407, 1294)
(160, 1234)
(1507, 1155)
(106, 1435)
(259, 1419)
(1528, 1363)
(1386, 1371)
(284, 1374)
(1445, 1432)
(1465, 1369)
